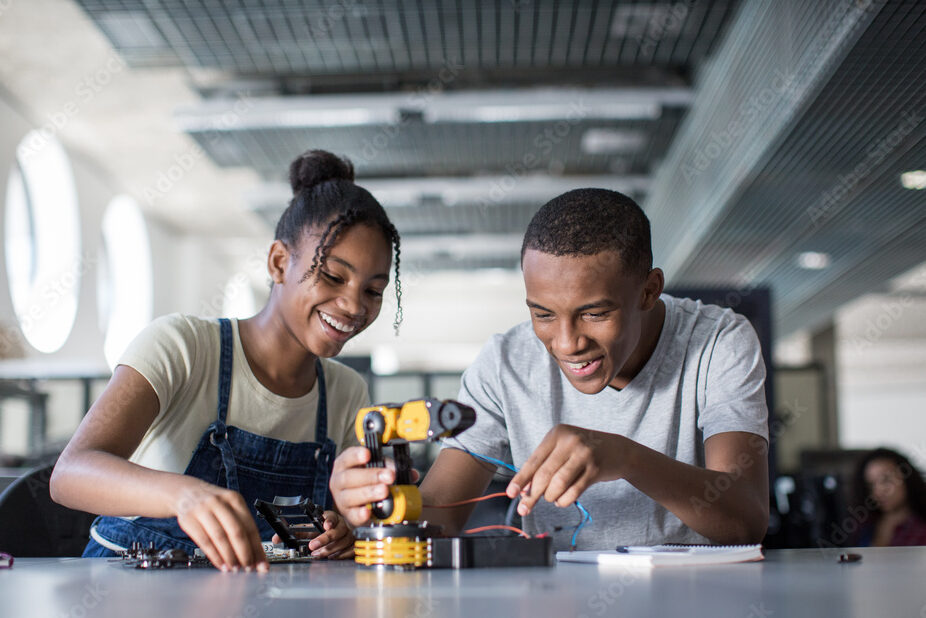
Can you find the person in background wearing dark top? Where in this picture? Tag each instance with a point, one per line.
(893, 495)
(203, 416)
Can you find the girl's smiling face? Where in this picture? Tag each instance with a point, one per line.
(323, 308)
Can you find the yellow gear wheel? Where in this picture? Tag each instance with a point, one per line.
(392, 551)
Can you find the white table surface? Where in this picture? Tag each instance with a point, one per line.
(789, 583)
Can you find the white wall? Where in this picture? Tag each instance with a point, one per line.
(84, 344)
(448, 318)
(882, 374)
(187, 271)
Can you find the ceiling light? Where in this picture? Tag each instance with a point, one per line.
(569, 105)
(527, 111)
(913, 180)
(812, 260)
(611, 141)
(384, 361)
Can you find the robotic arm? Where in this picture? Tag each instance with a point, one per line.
(394, 425)
(396, 538)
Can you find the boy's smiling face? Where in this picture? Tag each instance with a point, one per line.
(589, 313)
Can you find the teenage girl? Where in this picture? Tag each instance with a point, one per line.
(201, 417)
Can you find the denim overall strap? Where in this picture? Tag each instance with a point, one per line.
(321, 414)
(325, 454)
(218, 431)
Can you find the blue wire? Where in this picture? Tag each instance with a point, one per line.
(586, 519)
(586, 516)
(497, 462)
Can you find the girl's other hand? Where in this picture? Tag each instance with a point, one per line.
(336, 542)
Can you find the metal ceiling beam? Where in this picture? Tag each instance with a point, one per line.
(211, 84)
(535, 104)
(772, 63)
(485, 190)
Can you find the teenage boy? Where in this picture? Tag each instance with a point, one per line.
(648, 409)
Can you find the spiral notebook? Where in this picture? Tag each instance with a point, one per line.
(667, 555)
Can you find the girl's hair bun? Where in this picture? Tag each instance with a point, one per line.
(317, 166)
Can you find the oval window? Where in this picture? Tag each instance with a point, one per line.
(42, 242)
(125, 280)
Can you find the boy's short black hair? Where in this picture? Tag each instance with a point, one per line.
(590, 221)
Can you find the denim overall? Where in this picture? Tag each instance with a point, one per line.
(253, 465)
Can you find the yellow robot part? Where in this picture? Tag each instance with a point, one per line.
(414, 421)
(406, 505)
(410, 422)
(389, 416)
(392, 551)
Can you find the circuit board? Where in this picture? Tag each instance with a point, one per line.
(149, 557)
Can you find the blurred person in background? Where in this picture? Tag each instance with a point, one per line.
(893, 495)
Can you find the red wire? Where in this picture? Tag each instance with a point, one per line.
(462, 502)
(511, 528)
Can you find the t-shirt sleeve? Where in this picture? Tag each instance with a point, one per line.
(734, 394)
(358, 397)
(480, 388)
(164, 353)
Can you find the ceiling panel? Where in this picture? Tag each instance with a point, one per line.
(833, 184)
(442, 149)
(816, 170)
(280, 48)
(286, 37)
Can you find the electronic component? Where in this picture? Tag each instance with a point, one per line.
(476, 552)
(394, 425)
(286, 511)
(405, 545)
(149, 557)
(280, 515)
(396, 538)
(417, 545)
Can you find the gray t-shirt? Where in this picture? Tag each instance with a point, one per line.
(706, 376)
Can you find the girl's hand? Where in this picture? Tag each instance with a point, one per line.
(336, 542)
(220, 524)
(354, 486)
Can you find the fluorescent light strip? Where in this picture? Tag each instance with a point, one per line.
(534, 105)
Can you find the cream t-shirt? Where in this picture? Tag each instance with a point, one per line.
(179, 356)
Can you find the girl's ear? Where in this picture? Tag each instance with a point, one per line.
(277, 261)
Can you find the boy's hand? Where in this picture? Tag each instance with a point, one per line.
(354, 486)
(568, 460)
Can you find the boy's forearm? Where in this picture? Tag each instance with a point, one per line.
(724, 506)
(454, 476)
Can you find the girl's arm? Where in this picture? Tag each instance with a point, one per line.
(93, 474)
